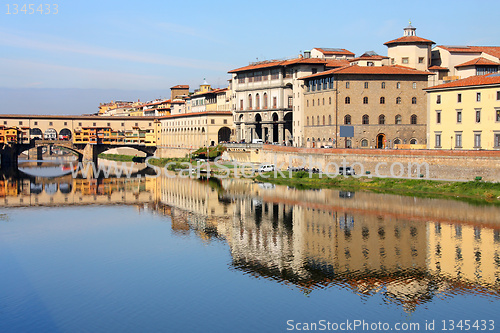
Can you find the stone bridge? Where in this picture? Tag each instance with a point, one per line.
(86, 152)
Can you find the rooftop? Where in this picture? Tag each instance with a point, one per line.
(409, 40)
(478, 61)
(473, 81)
(336, 51)
(370, 70)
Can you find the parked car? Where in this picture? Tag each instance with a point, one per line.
(257, 141)
(347, 171)
(266, 167)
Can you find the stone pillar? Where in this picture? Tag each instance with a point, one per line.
(39, 153)
(238, 134)
(281, 130)
(249, 133)
(8, 157)
(90, 154)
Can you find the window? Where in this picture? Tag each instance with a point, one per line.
(324, 121)
(257, 101)
(225, 121)
(250, 102)
(365, 100)
(413, 100)
(329, 100)
(318, 122)
(382, 85)
(414, 85)
(109, 124)
(459, 98)
(50, 123)
(477, 140)
(497, 115)
(420, 60)
(382, 100)
(498, 95)
(265, 75)
(329, 119)
(398, 100)
(478, 97)
(314, 70)
(307, 103)
(36, 123)
(347, 119)
(275, 74)
(241, 78)
(313, 102)
(275, 102)
(459, 116)
(290, 101)
(438, 99)
(381, 119)
(250, 77)
(478, 116)
(347, 85)
(413, 141)
(398, 119)
(312, 120)
(365, 119)
(398, 85)
(413, 119)
(307, 121)
(404, 60)
(264, 101)
(438, 117)
(323, 101)
(458, 140)
(241, 104)
(331, 83)
(364, 143)
(496, 141)
(347, 100)
(438, 140)
(366, 85)
(20, 123)
(325, 84)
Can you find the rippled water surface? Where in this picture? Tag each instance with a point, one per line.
(184, 255)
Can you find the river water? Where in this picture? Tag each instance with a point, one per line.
(176, 254)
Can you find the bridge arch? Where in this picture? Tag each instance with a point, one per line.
(50, 134)
(224, 134)
(65, 134)
(36, 133)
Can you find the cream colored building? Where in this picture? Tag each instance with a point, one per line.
(465, 114)
(410, 50)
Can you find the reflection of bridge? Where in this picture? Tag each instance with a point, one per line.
(86, 152)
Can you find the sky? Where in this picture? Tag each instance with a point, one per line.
(91, 52)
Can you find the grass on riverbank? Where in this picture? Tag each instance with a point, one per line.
(475, 191)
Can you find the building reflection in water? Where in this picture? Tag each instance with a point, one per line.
(408, 250)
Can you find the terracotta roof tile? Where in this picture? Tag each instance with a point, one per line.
(370, 70)
(480, 80)
(336, 51)
(409, 39)
(279, 63)
(491, 50)
(369, 57)
(438, 68)
(478, 61)
(180, 86)
(335, 63)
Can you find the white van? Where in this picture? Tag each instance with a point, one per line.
(257, 141)
(266, 167)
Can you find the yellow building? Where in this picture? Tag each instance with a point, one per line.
(464, 114)
(10, 134)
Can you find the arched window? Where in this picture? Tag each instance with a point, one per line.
(381, 119)
(397, 141)
(257, 101)
(264, 102)
(398, 100)
(398, 119)
(413, 119)
(318, 120)
(365, 120)
(365, 100)
(307, 121)
(413, 141)
(313, 102)
(382, 100)
(348, 100)
(413, 100)
(398, 85)
(347, 119)
(329, 100)
(307, 103)
(249, 102)
(323, 101)
(364, 143)
(312, 120)
(329, 119)
(318, 102)
(383, 85)
(324, 120)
